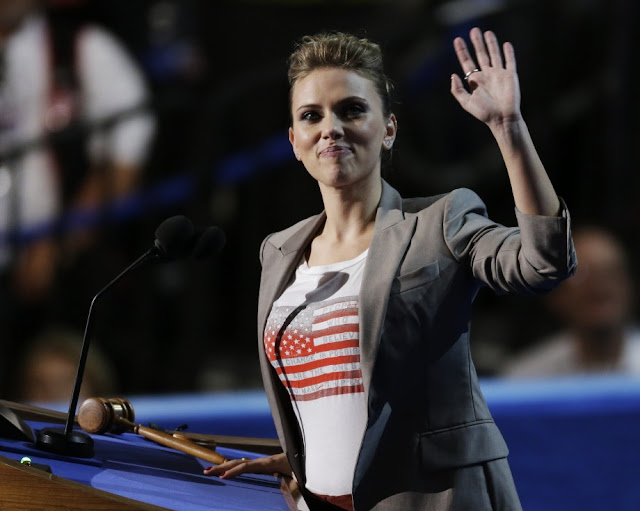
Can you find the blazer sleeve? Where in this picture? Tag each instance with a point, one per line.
(531, 258)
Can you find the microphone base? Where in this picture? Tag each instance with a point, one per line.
(76, 444)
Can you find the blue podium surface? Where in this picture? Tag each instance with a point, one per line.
(132, 467)
(574, 442)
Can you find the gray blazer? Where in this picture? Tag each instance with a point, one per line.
(427, 417)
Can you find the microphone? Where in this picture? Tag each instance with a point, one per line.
(175, 238)
(209, 242)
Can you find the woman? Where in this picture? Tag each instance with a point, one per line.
(364, 309)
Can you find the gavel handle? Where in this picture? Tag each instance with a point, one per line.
(180, 444)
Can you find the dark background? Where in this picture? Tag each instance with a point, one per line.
(217, 71)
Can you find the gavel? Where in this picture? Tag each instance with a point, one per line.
(98, 415)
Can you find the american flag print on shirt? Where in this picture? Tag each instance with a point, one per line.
(318, 353)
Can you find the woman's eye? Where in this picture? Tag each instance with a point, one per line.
(355, 110)
(309, 116)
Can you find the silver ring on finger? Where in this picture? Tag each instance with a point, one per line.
(469, 73)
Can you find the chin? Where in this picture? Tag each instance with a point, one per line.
(335, 177)
(341, 175)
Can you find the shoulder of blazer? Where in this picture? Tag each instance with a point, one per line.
(453, 201)
(393, 208)
(418, 204)
(278, 239)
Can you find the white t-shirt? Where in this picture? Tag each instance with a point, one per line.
(312, 341)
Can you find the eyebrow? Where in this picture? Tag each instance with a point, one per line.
(342, 101)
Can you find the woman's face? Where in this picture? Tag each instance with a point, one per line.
(338, 127)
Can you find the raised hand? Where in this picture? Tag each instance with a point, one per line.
(494, 91)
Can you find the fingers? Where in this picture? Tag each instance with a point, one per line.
(239, 469)
(230, 468)
(509, 56)
(491, 41)
(266, 465)
(457, 89)
(464, 57)
(487, 51)
(481, 50)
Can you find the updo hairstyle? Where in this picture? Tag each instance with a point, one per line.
(344, 51)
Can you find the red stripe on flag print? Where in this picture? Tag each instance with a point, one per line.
(321, 378)
(355, 389)
(300, 368)
(322, 357)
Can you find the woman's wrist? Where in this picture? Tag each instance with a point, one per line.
(509, 130)
(281, 464)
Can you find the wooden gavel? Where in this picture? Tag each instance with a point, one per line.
(98, 415)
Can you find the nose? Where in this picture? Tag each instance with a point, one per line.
(332, 127)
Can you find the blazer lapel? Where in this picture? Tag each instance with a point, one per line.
(391, 237)
(282, 265)
(278, 267)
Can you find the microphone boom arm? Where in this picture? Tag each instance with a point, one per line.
(86, 339)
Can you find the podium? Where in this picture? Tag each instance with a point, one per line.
(128, 472)
(573, 445)
(28, 488)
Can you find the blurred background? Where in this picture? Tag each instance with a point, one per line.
(115, 115)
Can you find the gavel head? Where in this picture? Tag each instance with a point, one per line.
(100, 415)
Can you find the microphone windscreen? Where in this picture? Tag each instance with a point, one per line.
(209, 243)
(174, 237)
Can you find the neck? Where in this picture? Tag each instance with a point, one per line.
(351, 210)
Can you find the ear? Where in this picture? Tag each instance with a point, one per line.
(391, 129)
(292, 141)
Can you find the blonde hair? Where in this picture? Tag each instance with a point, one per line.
(344, 51)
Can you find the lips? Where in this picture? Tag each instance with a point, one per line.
(335, 151)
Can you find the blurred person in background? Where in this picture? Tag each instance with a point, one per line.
(47, 372)
(73, 136)
(595, 309)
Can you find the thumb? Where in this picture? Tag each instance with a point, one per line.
(457, 89)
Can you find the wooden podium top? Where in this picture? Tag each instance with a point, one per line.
(28, 488)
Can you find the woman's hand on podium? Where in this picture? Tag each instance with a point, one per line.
(276, 464)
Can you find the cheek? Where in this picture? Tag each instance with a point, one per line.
(372, 129)
(370, 136)
(303, 139)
